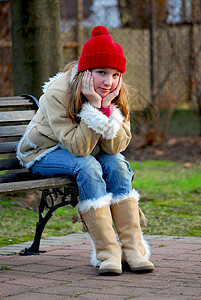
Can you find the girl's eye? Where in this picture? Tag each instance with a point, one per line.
(101, 72)
(116, 75)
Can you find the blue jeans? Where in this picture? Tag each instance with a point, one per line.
(95, 176)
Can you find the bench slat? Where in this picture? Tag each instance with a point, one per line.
(20, 179)
(16, 177)
(9, 164)
(11, 98)
(8, 147)
(16, 116)
(15, 103)
(17, 130)
(13, 187)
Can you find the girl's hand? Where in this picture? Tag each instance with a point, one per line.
(108, 99)
(88, 91)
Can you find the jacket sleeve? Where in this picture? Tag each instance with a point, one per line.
(115, 132)
(81, 138)
(78, 138)
(120, 141)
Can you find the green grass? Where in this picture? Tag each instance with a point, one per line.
(170, 199)
(18, 224)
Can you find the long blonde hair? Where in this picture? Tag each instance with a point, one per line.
(74, 98)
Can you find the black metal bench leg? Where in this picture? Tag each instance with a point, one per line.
(71, 192)
(34, 248)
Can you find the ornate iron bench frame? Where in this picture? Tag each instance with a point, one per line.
(15, 114)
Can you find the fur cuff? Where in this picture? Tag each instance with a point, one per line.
(115, 121)
(96, 120)
(85, 206)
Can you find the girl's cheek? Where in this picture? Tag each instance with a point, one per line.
(116, 84)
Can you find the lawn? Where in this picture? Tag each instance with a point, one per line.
(170, 198)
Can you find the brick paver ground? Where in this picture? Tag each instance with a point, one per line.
(64, 272)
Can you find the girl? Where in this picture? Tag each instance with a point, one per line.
(80, 129)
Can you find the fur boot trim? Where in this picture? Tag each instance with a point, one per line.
(85, 206)
(95, 262)
(131, 194)
(147, 248)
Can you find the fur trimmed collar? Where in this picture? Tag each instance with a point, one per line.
(73, 71)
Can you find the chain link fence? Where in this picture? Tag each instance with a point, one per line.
(162, 44)
(161, 41)
(157, 38)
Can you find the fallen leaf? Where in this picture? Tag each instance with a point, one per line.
(171, 142)
(159, 152)
(188, 165)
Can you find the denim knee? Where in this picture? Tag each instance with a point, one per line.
(88, 167)
(117, 173)
(89, 176)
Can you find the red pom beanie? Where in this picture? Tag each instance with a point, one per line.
(101, 52)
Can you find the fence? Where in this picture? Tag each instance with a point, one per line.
(163, 45)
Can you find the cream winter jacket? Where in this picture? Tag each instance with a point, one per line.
(51, 129)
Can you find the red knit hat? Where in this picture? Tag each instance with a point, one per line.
(101, 52)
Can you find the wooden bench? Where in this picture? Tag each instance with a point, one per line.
(15, 114)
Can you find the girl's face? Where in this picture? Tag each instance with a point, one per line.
(105, 80)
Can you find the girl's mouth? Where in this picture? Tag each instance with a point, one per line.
(104, 89)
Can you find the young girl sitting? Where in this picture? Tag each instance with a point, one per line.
(80, 129)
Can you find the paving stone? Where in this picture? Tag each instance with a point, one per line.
(34, 282)
(64, 271)
(64, 276)
(63, 262)
(65, 289)
(174, 264)
(97, 283)
(129, 291)
(186, 291)
(97, 296)
(11, 289)
(194, 257)
(163, 297)
(12, 274)
(39, 268)
(34, 296)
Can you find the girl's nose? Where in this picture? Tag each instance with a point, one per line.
(108, 80)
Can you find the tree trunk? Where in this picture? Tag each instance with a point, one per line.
(135, 13)
(36, 44)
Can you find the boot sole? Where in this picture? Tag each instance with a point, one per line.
(126, 267)
(142, 269)
(109, 272)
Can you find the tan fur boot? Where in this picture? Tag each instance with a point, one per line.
(125, 215)
(98, 220)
